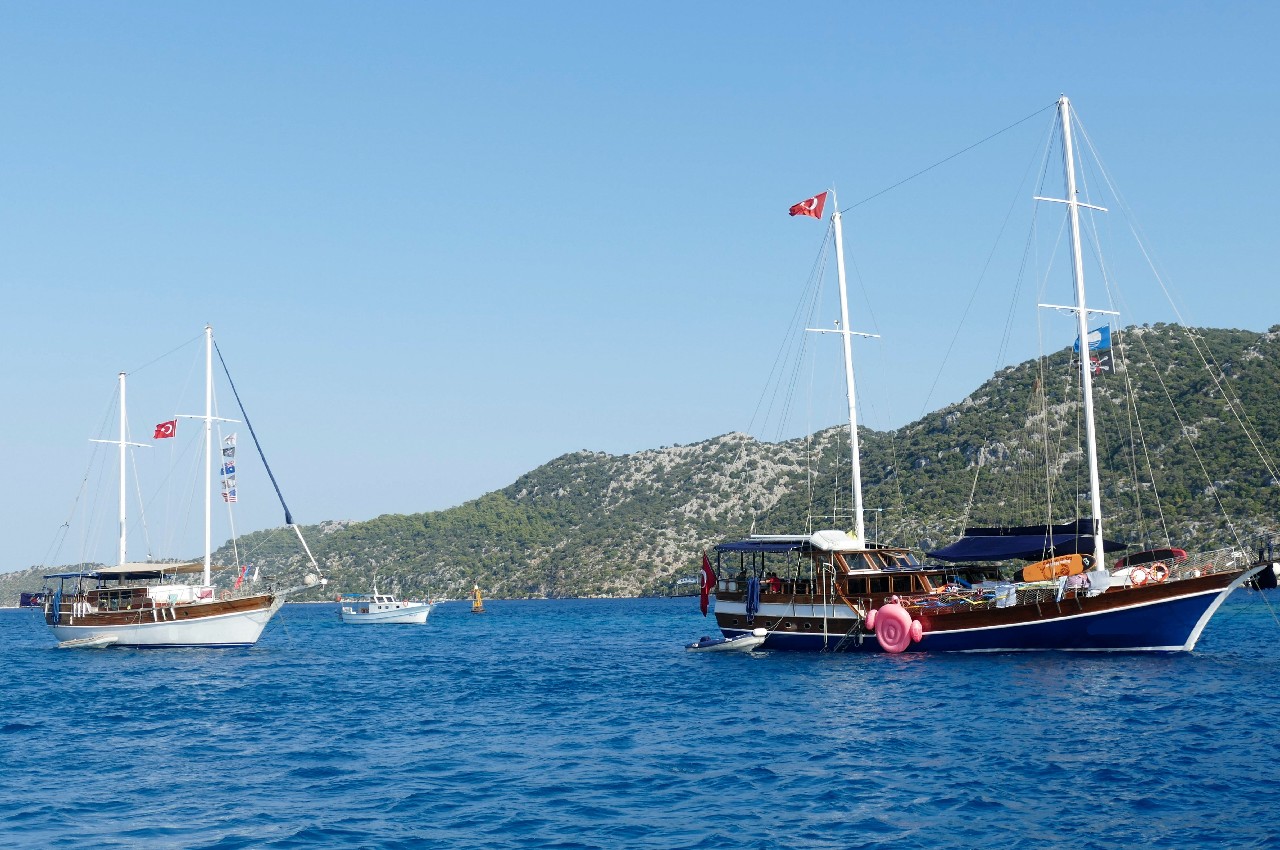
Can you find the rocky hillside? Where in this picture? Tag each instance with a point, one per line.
(593, 524)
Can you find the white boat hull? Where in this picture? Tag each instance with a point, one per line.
(412, 615)
(236, 628)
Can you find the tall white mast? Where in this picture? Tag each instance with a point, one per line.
(1082, 326)
(122, 443)
(859, 527)
(123, 490)
(208, 453)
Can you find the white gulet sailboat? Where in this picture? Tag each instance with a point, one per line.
(154, 604)
(833, 590)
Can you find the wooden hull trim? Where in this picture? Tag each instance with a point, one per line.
(1167, 618)
(235, 622)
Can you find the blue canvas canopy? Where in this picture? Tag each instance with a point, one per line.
(1027, 542)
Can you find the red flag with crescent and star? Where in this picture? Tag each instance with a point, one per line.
(812, 207)
(166, 429)
(708, 582)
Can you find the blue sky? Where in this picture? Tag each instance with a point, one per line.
(443, 244)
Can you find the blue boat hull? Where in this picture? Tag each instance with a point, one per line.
(1168, 623)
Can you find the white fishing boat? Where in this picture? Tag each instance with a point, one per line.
(832, 590)
(153, 604)
(383, 608)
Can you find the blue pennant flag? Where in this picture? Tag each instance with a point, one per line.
(1099, 340)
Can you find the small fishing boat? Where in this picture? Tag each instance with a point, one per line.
(742, 643)
(383, 608)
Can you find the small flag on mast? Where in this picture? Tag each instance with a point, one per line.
(812, 207)
(708, 582)
(166, 429)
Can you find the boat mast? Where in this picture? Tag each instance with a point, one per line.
(859, 527)
(1082, 326)
(123, 494)
(123, 443)
(208, 450)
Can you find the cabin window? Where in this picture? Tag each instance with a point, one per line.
(855, 585)
(859, 562)
(902, 584)
(878, 584)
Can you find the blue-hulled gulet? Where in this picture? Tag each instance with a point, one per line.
(836, 591)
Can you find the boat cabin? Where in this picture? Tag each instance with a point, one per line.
(828, 565)
(126, 587)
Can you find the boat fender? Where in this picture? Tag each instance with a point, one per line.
(894, 628)
(1139, 576)
(1159, 572)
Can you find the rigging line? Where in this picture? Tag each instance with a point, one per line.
(1249, 429)
(800, 345)
(1042, 365)
(155, 360)
(983, 274)
(288, 517)
(948, 159)
(1142, 439)
(137, 488)
(789, 343)
(1191, 444)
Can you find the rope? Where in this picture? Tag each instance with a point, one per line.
(1053, 105)
(288, 517)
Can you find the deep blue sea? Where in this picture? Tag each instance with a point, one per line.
(585, 724)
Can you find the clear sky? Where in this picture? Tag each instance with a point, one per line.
(441, 244)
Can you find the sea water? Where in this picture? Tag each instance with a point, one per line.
(585, 724)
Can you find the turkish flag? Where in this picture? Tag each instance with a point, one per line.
(812, 207)
(708, 582)
(166, 429)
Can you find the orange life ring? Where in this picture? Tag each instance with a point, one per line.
(1159, 572)
(226, 594)
(1139, 576)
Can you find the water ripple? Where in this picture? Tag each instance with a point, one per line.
(583, 724)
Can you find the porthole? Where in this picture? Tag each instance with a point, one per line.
(807, 627)
(789, 626)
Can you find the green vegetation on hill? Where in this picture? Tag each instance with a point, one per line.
(593, 524)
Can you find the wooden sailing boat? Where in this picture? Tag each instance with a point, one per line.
(844, 593)
(151, 604)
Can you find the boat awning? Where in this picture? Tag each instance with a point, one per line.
(823, 541)
(1028, 543)
(134, 571)
(778, 544)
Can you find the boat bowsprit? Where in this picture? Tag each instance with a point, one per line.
(741, 643)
